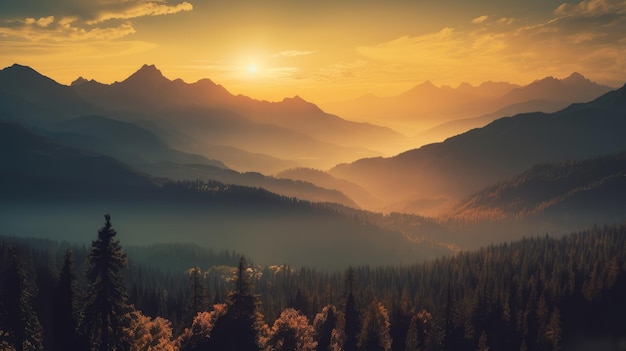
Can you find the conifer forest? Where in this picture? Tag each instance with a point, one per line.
(534, 294)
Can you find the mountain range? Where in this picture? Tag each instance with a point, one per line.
(480, 157)
(151, 146)
(426, 109)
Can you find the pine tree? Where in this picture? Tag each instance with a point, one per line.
(238, 328)
(66, 306)
(106, 310)
(18, 320)
(324, 324)
(352, 324)
(199, 297)
(374, 334)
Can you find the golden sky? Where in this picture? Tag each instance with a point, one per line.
(323, 50)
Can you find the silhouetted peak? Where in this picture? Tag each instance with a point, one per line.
(147, 74)
(296, 99)
(17, 69)
(300, 103)
(575, 78)
(25, 77)
(81, 81)
(464, 85)
(426, 85)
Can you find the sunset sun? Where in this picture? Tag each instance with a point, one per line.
(252, 69)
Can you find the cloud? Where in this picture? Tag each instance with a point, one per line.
(506, 20)
(294, 53)
(96, 20)
(481, 19)
(46, 29)
(139, 9)
(592, 8)
(42, 22)
(586, 37)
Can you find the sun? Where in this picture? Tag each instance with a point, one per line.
(252, 69)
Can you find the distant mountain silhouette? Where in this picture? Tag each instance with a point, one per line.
(125, 141)
(468, 162)
(200, 118)
(591, 188)
(25, 84)
(36, 166)
(426, 106)
(290, 129)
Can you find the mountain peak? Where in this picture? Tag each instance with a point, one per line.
(24, 77)
(79, 81)
(147, 74)
(17, 69)
(575, 77)
(300, 104)
(426, 84)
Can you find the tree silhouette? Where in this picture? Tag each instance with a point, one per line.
(106, 308)
(324, 324)
(238, 328)
(66, 306)
(198, 298)
(19, 325)
(352, 325)
(374, 334)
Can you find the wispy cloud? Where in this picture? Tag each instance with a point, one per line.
(592, 8)
(586, 37)
(42, 22)
(481, 19)
(294, 53)
(139, 9)
(63, 30)
(100, 21)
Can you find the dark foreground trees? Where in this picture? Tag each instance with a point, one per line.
(19, 325)
(106, 309)
(538, 294)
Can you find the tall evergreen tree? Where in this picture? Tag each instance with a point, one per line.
(106, 310)
(66, 306)
(18, 321)
(324, 324)
(374, 334)
(238, 328)
(352, 324)
(199, 296)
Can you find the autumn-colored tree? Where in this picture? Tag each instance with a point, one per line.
(324, 324)
(291, 332)
(374, 334)
(198, 336)
(147, 334)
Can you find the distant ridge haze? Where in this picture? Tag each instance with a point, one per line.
(426, 105)
(483, 156)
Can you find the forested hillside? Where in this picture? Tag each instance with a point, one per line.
(533, 294)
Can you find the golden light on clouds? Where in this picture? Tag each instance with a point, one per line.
(323, 50)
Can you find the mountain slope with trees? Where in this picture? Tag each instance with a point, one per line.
(468, 162)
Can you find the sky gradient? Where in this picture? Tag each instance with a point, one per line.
(321, 50)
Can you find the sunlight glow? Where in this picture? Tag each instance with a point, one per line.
(252, 69)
